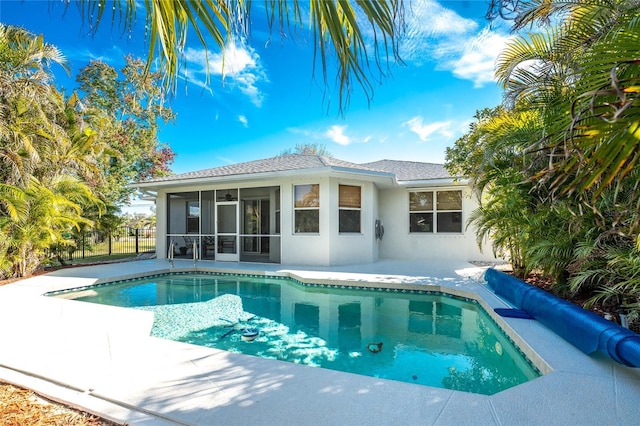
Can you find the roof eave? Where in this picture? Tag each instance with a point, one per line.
(247, 177)
(450, 181)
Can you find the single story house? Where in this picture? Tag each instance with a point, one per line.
(315, 210)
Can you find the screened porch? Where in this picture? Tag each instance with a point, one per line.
(228, 224)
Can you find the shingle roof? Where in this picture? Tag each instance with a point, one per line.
(267, 165)
(410, 170)
(404, 170)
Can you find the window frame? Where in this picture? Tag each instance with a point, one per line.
(426, 211)
(352, 209)
(442, 211)
(191, 218)
(314, 208)
(434, 211)
(277, 212)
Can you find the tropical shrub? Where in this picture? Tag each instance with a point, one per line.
(578, 203)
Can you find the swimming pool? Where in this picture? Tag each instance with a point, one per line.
(411, 336)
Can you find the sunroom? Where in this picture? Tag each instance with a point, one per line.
(226, 224)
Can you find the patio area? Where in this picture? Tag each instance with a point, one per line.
(102, 359)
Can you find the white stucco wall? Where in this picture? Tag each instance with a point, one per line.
(161, 226)
(399, 243)
(353, 247)
(329, 247)
(307, 248)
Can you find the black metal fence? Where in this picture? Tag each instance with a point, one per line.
(122, 241)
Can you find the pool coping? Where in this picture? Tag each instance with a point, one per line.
(575, 389)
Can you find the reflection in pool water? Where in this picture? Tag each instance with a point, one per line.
(428, 339)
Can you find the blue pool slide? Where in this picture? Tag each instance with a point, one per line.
(583, 329)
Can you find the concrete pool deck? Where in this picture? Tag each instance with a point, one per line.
(102, 359)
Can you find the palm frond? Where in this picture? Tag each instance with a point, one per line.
(338, 28)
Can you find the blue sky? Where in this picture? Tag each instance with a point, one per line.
(266, 100)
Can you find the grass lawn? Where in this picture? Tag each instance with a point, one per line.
(120, 249)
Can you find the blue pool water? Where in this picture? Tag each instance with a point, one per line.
(428, 339)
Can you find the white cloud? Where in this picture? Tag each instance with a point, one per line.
(435, 33)
(429, 25)
(417, 126)
(243, 119)
(430, 18)
(239, 67)
(478, 56)
(336, 134)
(85, 55)
(226, 160)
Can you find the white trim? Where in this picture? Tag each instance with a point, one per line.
(251, 177)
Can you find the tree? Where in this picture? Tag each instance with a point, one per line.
(28, 103)
(491, 155)
(124, 109)
(585, 75)
(559, 161)
(47, 214)
(338, 29)
(42, 162)
(307, 149)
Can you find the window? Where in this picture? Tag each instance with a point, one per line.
(307, 318)
(435, 211)
(349, 203)
(435, 317)
(307, 208)
(421, 211)
(193, 217)
(449, 211)
(349, 326)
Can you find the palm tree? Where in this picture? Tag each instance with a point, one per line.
(338, 28)
(28, 102)
(45, 215)
(583, 77)
(585, 73)
(44, 156)
(491, 155)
